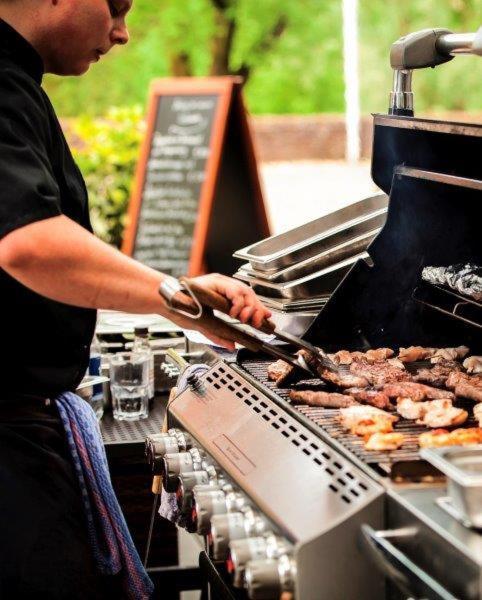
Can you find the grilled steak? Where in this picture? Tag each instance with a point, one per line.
(442, 354)
(344, 357)
(325, 399)
(278, 369)
(415, 391)
(438, 374)
(466, 386)
(465, 390)
(379, 373)
(371, 397)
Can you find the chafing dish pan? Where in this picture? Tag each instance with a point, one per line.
(463, 467)
(319, 283)
(325, 234)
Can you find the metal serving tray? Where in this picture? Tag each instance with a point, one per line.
(463, 467)
(319, 283)
(325, 234)
(282, 304)
(315, 263)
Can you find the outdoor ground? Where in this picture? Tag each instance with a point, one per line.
(297, 192)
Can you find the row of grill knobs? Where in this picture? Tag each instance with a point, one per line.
(208, 504)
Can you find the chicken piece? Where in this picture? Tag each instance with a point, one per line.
(343, 380)
(364, 420)
(414, 353)
(379, 373)
(371, 397)
(449, 354)
(457, 377)
(278, 369)
(379, 354)
(416, 391)
(435, 439)
(325, 399)
(473, 364)
(282, 373)
(478, 413)
(384, 441)
(395, 362)
(438, 374)
(408, 409)
(443, 415)
(458, 437)
(342, 357)
(466, 390)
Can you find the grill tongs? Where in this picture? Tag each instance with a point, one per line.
(186, 297)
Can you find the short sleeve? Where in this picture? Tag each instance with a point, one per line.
(28, 188)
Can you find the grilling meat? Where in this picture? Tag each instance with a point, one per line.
(478, 413)
(343, 380)
(458, 437)
(282, 373)
(378, 373)
(344, 357)
(416, 391)
(465, 386)
(438, 374)
(442, 354)
(325, 399)
(415, 353)
(384, 441)
(473, 364)
(365, 420)
(371, 397)
(433, 413)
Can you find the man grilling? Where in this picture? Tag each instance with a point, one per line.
(54, 274)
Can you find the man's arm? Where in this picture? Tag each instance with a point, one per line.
(59, 259)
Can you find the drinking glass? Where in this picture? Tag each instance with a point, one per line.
(129, 385)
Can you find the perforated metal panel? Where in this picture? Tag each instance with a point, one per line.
(132, 432)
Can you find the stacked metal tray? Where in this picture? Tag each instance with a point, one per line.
(295, 272)
(309, 261)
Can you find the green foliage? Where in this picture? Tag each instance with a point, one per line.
(107, 151)
(299, 72)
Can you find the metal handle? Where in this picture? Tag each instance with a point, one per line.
(422, 49)
(398, 568)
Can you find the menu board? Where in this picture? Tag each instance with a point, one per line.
(178, 176)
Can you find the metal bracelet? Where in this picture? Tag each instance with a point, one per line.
(169, 287)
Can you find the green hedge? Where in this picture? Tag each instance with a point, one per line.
(107, 151)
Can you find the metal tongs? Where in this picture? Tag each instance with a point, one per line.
(186, 297)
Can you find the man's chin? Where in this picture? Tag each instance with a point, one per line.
(72, 70)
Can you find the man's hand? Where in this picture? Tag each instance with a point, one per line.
(245, 305)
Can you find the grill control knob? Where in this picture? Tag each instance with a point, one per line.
(257, 548)
(185, 496)
(206, 505)
(269, 578)
(234, 526)
(175, 464)
(160, 444)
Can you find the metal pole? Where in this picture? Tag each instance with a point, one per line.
(352, 87)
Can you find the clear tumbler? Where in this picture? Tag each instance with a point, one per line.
(129, 385)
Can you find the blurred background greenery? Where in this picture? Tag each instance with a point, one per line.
(289, 52)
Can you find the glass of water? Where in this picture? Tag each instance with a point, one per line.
(129, 385)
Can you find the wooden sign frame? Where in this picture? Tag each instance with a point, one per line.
(230, 106)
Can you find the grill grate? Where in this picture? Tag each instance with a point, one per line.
(326, 419)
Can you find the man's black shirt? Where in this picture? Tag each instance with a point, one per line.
(45, 344)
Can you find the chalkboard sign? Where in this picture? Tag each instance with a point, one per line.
(197, 196)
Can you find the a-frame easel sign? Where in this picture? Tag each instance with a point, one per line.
(197, 196)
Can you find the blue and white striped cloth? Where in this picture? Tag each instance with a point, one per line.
(111, 542)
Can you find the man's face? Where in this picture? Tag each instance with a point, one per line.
(83, 31)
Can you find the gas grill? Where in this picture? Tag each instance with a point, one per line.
(285, 503)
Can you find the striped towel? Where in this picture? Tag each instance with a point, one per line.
(112, 545)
